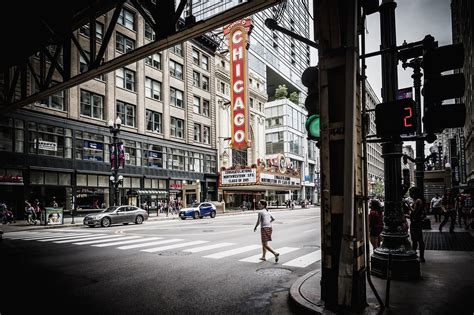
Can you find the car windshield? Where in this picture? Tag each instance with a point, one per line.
(110, 209)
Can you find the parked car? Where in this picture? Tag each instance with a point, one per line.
(116, 215)
(199, 211)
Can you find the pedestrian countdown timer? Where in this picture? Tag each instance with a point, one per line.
(395, 118)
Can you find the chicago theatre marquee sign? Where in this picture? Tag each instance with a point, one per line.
(273, 173)
(237, 33)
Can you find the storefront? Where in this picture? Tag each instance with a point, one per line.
(92, 191)
(243, 187)
(48, 186)
(12, 191)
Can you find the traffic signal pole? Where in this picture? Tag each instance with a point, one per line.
(395, 243)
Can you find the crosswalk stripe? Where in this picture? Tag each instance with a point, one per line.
(281, 251)
(232, 252)
(128, 242)
(207, 247)
(27, 236)
(150, 243)
(305, 260)
(119, 237)
(59, 238)
(157, 249)
(87, 238)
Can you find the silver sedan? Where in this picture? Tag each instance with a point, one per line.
(116, 215)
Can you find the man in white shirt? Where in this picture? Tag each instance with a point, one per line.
(436, 207)
(265, 220)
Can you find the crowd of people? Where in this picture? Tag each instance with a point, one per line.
(6, 214)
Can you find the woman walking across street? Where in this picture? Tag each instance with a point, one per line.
(265, 220)
(416, 221)
(375, 222)
(448, 205)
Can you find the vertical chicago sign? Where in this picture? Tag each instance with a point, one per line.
(238, 38)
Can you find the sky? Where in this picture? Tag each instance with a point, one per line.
(414, 20)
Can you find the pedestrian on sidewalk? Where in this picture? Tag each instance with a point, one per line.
(448, 206)
(436, 207)
(375, 222)
(265, 220)
(416, 221)
(465, 205)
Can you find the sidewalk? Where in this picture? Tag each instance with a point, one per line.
(446, 285)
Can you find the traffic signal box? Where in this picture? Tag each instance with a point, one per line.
(310, 79)
(395, 118)
(438, 87)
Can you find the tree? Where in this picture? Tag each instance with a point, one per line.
(379, 189)
(294, 97)
(281, 92)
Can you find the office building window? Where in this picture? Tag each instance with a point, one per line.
(149, 32)
(176, 97)
(196, 79)
(177, 127)
(55, 101)
(177, 50)
(126, 112)
(92, 105)
(205, 108)
(152, 89)
(205, 62)
(125, 79)
(154, 61)
(206, 135)
(197, 132)
(83, 66)
(90, 146)
(127, 19)
(49, 140)
(196, 57)
(123, 44)
(154, 121)
(176, 69)
(205, 83)
(99, 30)
(197, 105)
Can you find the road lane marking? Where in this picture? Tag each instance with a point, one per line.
(281, 251)
(151, 243)
(33, 235)
(207, 247)
(51, 239)
(157, 249)
(304, 261)
(128, 242)
(119, 237)
(232, 252)
(86, 238)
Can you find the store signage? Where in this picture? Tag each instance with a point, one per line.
(11, 179)
(278, 161)
(241, 176)
(176, 186)
(237, 33)
(93, 145)
(45, 145)
(274, 179)
(154, 155)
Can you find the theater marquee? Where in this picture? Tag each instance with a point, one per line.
(238, 38)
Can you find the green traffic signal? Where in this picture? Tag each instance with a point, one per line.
(313, 127)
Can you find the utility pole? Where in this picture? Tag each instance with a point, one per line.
(395, 241)
(342, 236)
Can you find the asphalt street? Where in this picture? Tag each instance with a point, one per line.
(204, 266)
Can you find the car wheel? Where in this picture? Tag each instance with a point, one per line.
(139, 220)
(201, 216)
(195, 215)
(105, 222)
(213, 214)
(183, 218)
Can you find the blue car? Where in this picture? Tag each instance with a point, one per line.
(200, 211)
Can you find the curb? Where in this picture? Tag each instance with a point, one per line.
(297, 296)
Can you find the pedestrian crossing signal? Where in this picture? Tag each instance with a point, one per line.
(395, 118)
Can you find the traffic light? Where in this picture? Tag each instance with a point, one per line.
(395, 118)
(310, 79)
(439, 87)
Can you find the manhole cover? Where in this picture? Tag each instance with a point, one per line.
(459, 241)
(208, 230)
(170, 253)
(276, 272)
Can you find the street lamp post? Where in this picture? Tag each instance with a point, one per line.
(115, 178)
